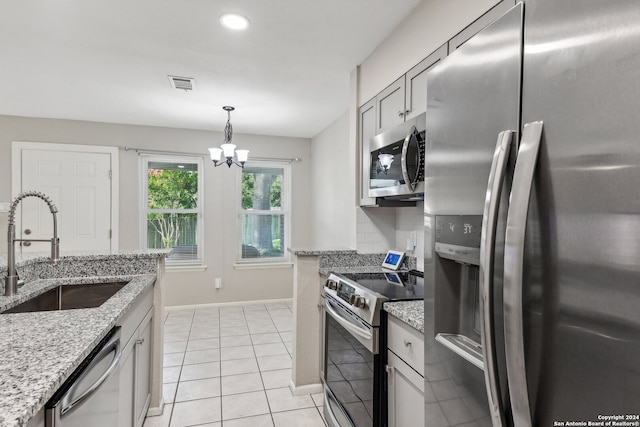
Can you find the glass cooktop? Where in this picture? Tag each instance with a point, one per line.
(397, 286)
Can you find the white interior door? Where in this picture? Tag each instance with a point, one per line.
(80, 185)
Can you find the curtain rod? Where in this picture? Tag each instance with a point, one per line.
(183, 153)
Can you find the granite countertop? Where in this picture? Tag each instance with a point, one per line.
(36, 257)
(41, 349)
(410, 312)
(320, 252)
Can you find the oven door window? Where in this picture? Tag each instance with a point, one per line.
(349, 373)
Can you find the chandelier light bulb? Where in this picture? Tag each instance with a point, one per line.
(215, 154)
(242, 155)
(228, 149)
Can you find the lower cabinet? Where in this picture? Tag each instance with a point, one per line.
(143, 369)
(135, 363)
(405, 394)
(135, 375)
(405, 382)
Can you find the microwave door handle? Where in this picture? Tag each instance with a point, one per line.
(487, 254)
(513, 266)
(411, 182)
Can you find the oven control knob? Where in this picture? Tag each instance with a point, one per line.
(358, 301)
(332, 284)
(361, 302)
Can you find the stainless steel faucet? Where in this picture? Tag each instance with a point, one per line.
(11, 281)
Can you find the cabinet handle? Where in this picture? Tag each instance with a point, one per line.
(407, 343)
(390, 370)
(400, 113)
(140, 342)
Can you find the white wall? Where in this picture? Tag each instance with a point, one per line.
(333, 187)
(183, 288)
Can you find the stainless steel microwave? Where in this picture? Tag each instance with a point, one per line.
(397, 160)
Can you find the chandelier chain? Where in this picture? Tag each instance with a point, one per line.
(228, 129)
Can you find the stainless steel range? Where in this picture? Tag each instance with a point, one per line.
(355, 334)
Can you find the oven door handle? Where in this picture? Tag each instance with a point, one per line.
(344, 323)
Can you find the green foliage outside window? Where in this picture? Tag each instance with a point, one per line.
(273, 185)
(262, 231)
(173, 189)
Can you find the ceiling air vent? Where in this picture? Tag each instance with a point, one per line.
(184, 83)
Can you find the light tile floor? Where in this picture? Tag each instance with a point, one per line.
(231, 367)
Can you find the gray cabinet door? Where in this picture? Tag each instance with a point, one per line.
(366, 131)
(127, 385)
(390, 106)
(405, 394)
(416, 84)
(143, 368)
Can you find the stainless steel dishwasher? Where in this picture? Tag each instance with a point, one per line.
(90, 396)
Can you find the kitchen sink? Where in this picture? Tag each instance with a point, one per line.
(67, 297)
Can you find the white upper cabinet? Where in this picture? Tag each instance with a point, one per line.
(366, 131)
(390, 103)
(406, 97)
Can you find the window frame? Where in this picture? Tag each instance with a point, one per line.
(145, 159)
(285, 202)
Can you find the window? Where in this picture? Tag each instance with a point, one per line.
(172, 207)
(264, 212)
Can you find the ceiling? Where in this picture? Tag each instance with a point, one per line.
(108, 60)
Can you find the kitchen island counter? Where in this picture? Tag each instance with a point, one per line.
(41, 349)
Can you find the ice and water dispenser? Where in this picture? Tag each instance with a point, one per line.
(457, 293)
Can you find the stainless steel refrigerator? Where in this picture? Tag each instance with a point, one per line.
(532, 220)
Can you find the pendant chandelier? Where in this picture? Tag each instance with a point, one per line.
(228, 149)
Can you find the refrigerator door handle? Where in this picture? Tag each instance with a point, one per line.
(487, 252)
(513, 264)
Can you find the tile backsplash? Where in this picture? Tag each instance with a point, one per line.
(381, 229)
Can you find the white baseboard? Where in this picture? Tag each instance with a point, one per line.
(227, 304)
(305, 389)
(156, 410)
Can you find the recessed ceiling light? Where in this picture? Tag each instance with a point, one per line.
(234, 21)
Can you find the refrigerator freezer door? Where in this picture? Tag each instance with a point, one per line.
(473, 96)
(581, 277)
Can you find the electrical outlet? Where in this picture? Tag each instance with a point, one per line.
(218, 282)
(4, 206)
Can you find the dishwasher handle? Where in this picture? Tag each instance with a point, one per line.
(69, 400)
